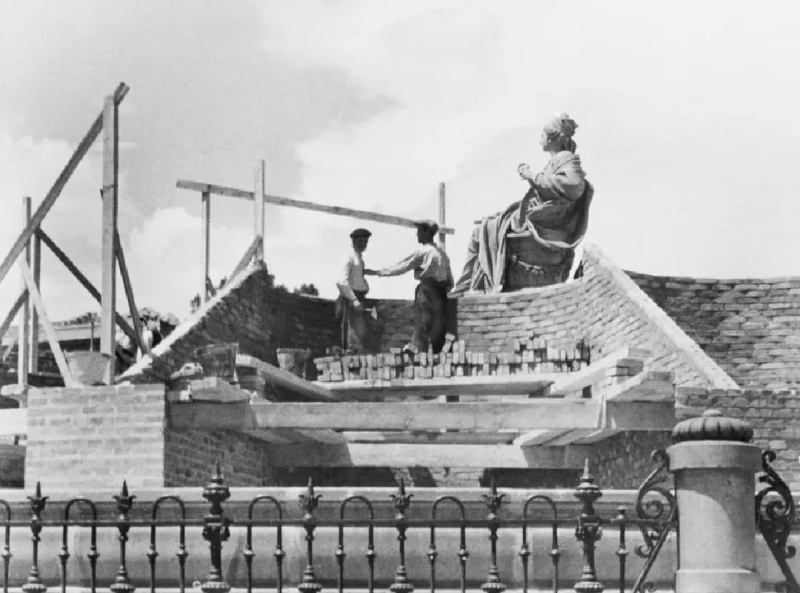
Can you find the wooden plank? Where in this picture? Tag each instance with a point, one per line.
(442, 215)
(568, 437)
(539, 437)
(24, 344)
(401, 455)
(427, 416)
(258, 209)
(126, 282)
(421, 438)
(246, 258)
(108, 283)
(37, 277)
(490, 385)
(280, 378)
(13, 422)
(48, 327)
(58, 186)
(280, 201)
(21, 299)
(596, 371)
(84, 281)
(206, 244)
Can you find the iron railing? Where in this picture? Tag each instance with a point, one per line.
(775, 516)
(655, 508)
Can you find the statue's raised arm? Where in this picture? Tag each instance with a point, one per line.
(532, 242)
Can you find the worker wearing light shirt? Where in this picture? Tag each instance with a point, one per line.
(353, 289)
(432, 268)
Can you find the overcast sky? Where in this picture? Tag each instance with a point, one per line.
(687, 112)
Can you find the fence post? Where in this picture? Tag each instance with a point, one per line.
(588, 532)
(216, 531)
(714, 467)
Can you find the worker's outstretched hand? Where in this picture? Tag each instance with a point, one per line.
(370, 272)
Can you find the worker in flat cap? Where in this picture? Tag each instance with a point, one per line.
(353, 289)
(432, 268)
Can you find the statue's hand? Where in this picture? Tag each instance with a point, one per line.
(525, 172)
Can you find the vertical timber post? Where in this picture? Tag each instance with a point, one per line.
(23, 344)
(258, 200)
(206, 243)
(714, 466)
(442, 215)
(108, 287)
(37, 279)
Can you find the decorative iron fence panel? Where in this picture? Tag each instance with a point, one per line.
(470, 554)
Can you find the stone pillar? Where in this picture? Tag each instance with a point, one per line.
(714, 467)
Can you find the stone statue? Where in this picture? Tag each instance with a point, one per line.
(532, 242)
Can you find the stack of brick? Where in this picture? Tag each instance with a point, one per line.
(526, 356)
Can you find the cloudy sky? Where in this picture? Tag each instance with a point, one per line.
(687, 113)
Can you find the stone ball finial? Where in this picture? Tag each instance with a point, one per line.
(712, 426)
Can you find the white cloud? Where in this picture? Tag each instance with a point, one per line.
(670, 103)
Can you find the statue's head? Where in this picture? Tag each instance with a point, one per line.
(557, 134)
(360, 239)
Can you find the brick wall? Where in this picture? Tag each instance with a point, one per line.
(605, 307)
(96, 437)
(489, 323)
(623, 461)
(774, 416)
(190, 457)
(250, 311)
(12, 465)
(749, 326)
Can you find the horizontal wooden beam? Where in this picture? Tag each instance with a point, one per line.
(441, 438)
(437, 455)
(429, 416)
(277, 200)
(489, 385)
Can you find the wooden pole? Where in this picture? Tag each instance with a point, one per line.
(21, 300)
(232, 192)
(64, 259)
(37, 279)
(58, 186)
(246, 259)
(48, 327)
(206, 244)
(126, 282)
(259, 208)
(23, 345)
(442, 215)
(108, 286)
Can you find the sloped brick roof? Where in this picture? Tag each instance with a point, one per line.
(751, 328)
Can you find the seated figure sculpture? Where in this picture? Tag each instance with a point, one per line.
(533, 241)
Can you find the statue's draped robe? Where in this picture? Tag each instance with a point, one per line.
(554, 213)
